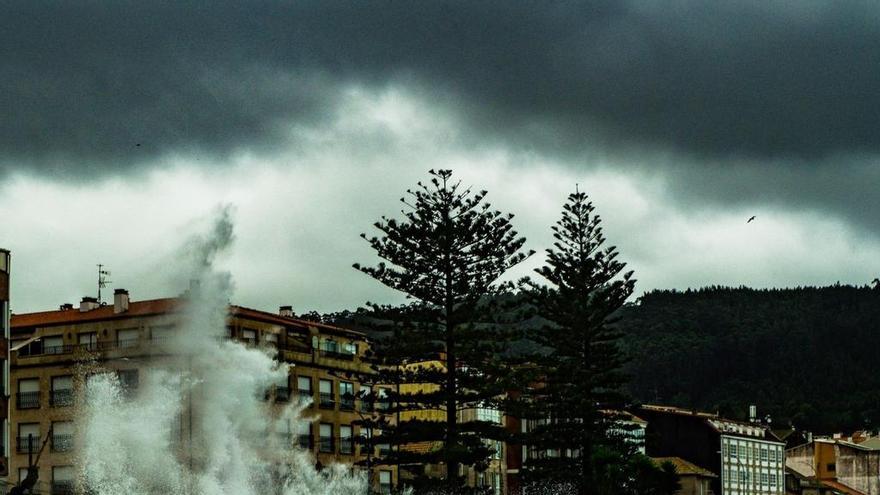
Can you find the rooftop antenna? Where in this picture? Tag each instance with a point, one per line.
(102, 280)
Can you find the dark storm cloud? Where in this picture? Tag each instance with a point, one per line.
(86, 82)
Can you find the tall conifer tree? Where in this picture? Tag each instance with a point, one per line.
(446, 254)
(579, 370)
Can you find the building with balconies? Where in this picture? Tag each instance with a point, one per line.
(745, 457)
(5, 262)
(49, 350)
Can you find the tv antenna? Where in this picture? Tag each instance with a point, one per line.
(102, 280)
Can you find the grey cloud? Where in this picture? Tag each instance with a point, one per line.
(86, 82)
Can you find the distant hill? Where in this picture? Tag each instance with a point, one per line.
(807, 356)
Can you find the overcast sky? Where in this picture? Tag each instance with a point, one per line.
(126, 126)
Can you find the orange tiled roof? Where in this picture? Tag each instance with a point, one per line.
(70, 316)
(840, 487)
(683, 467)
(150, 308)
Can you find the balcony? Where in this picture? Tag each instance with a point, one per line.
(327, 401)
(346, 446)
(343, 356)
(282, 394)
(22, 447)
(326, 445)
(62, 443)
(305, 395)
(27, 400)
(346, 403)
(305, 442)
(64, 487)
(61, 397)
(285, 440)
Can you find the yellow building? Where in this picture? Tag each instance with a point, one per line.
(496, 473)
(52, 351)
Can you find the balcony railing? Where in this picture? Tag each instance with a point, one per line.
(346, 403)
(305, 395)
(27, 400)
(327, 401)
(62, 443)
(61, 397)
(22, 446)
(62, 487)
(326, 445)
(346, 445)
(305, 442)
(344, 356)
(285, 440)
(282, 394)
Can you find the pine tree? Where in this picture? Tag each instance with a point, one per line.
(578, 372)
(446, 254)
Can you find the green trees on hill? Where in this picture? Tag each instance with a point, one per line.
(804, 356)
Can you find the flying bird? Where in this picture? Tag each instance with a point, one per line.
(750, 220)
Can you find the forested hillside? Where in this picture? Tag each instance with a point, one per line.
(807, 356)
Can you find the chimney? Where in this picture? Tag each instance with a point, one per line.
(66, 307)
(88, 303)
(286, 311)
(753, 414)
(120, 301)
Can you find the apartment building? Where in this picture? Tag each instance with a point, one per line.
(835, 465)
(5, 260)
(493, 478)
(52, 350)
(745, 457)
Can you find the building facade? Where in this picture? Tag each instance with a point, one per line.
(836, 464)
(5, 266)
(746, 458)
(53, 350)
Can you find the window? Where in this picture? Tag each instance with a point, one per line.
(62, 436)
(22, 474)
(346, 444)
(304, 388)
(61, 393)
(249, 336)
(304, 435)
(772, 479)
(385, 482)
(28, 438)
(326, 434)
(330, 345)
(88, 341)
(162, 333)
(325, 390)
(282, 388)
(271, 339)
(62, 480)
(384, 401)
(128, 338)
(765, 479)
(28, 393)
(772, 454)
(733, 451)
(764, 455)
(128, 382)
(489, 415)
(53, 344)
(351, 348)
(346, 396)
(283, 433)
